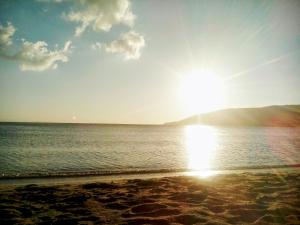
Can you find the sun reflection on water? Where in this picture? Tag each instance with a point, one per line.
(201, 144)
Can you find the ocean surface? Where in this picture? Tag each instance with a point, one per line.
(28, 150)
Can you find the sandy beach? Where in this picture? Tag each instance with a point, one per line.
(247, 198)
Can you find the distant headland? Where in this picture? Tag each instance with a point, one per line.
(275, 116)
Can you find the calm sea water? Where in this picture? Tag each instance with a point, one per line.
(72, 149)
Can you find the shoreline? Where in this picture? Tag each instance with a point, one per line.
(236, 198)
(140, 175)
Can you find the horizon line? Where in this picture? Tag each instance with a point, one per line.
(139, 124)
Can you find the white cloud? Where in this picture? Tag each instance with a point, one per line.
(96, 46)
(37, 56)
(6, 34)
(32, 56)
(101, 15)
(129, 45)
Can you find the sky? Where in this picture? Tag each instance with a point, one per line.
(123, 61)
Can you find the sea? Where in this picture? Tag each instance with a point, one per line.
(59, 150)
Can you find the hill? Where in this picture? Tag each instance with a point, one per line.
(280, 116)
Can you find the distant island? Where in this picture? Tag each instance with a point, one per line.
(275, 116)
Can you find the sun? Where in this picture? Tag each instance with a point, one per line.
(201, 92)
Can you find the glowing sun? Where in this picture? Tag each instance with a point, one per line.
(201, 92)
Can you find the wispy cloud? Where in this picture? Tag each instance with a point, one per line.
(6, 34)
(101, 15)
(31, 56)
(129, 45)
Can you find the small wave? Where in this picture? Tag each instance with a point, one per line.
(132, 172)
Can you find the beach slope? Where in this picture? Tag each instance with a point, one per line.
(246, 198)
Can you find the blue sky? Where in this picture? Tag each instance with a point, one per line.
(129, 68)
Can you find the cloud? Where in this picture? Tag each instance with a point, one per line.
(6, 34)
(101, 15)
(37, 57)
(96, 46)
(129, 45)
(32, 56)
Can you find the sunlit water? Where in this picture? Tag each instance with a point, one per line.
(66, 149)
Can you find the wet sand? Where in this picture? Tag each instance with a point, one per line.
(246, 198)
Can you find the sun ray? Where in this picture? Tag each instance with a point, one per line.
(254, 68)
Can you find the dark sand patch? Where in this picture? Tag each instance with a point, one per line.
(226, 199)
